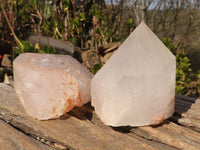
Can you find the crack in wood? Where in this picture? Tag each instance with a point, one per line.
(23, 129)
(82, 129)
(151, 138)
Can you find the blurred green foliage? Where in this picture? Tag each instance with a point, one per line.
(62, 20)
(184, 73)
(96, 68)
(198, 80)
(168, 43)
(1, 73)
(28, 47)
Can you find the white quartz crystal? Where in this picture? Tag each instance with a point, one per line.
(136, 86)
(50, 85)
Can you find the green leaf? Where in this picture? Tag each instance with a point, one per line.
(41, 51)
(17, 51)
(129, 23)
(93, 10)
(66, 8)
(37, 46)
(28, 47)
(67, 3)
(48, 50)
(82, 16)
(96, 68)
(76, 22)
(74, 40)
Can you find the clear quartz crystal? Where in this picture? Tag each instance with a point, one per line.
(50, 85)
(136, 86)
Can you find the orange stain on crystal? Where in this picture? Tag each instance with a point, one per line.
(158, 119)
(54, 110)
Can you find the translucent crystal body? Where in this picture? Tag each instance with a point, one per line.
(136, 86)
(50, 85)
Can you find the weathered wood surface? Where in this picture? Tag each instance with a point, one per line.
(12, 139)
(82, 129)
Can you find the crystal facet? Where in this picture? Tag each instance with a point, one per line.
(50, 85)
(136, 86)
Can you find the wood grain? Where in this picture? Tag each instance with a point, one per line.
(81, 128)
(12, 139)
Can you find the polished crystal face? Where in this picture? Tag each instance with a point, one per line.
(50, 85)
(136, 86)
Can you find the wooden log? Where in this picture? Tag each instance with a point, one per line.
(12, 139)
(187, 112)
(82, 129)
(68, 131)
(186, 98)
(109, 45)
(174, 135)
(188, 122)
(111, 49)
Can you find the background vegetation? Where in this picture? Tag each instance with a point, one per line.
(92, 23)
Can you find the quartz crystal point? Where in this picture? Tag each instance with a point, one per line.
(136, 87)
(50, 85)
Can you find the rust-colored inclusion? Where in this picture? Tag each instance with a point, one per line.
(158, 119)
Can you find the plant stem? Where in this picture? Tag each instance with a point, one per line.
(95, 39)
(18, 42)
